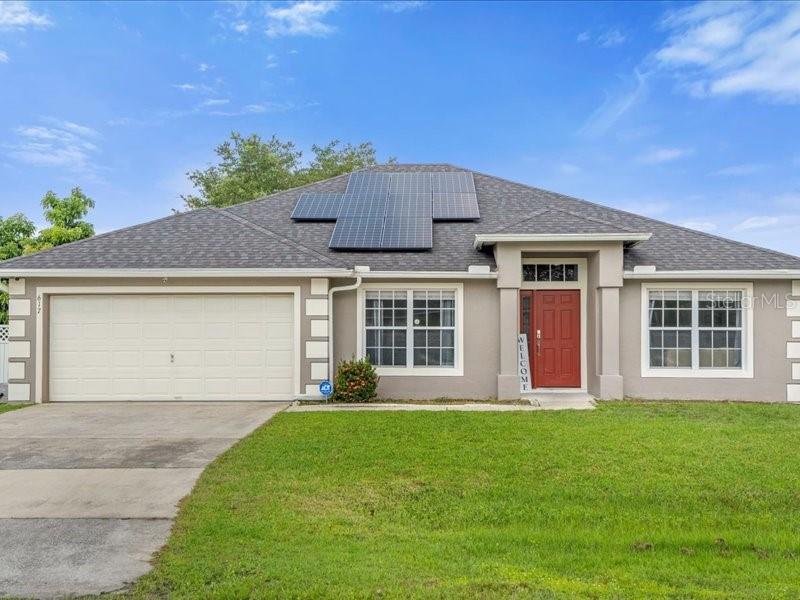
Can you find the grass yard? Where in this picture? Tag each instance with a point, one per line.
(4, 407)
(633, 500)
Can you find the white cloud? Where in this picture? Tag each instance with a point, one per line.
(726, 49)
(57, 144)
(569, 168)
(707, 226)
(3, 56)
(241, 26)
(615, 107)
(255, 109)
(606, 39)
(739, 170)
(398, 6)
(272, 62)
(18, 15)
(192, 87)
(203, 67)
(611, 38)
(761, 222)
(300, 18)
(215, 102)
(662, 155)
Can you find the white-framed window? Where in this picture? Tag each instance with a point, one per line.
(412, 329)
(697, 330)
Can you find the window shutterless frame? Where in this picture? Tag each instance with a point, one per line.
(744, 372)
(457, 370)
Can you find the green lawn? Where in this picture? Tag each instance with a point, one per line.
(9, 407)
(633, 500)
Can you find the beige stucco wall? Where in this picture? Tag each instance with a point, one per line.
(481, 346)
(482, 337)
(771, 369)
(33, 284)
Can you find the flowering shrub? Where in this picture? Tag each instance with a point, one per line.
(356, 382)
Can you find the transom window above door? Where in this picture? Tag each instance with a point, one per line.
(550, 272)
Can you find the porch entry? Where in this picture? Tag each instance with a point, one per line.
(552, 321)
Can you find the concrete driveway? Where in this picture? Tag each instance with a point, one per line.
(88, 491)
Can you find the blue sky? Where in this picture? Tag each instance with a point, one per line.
(689, 113)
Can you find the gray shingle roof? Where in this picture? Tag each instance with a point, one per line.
(260, 234)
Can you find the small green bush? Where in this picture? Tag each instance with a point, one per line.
(356, 382)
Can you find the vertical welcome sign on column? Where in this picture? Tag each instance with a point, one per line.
(524, 367)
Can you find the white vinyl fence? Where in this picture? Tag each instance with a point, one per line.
(3, 353)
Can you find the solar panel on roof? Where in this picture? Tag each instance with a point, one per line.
(459, 182)
(410, 183)
(357, 234)
(368, 183)
(363, 207)
(454, 206)
(409, 205)
(317, 206)
(407, 234)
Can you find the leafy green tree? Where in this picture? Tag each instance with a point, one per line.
(333, 159)
(250, 167)
(66, 218)
(15, 233)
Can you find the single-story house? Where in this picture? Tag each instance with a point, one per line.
(430, 270)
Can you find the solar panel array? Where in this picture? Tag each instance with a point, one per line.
(391, 211)
(317, 206)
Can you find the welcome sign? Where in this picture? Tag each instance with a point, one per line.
(524, 367)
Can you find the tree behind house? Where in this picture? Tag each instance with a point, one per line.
(66, 218)
(250, 167)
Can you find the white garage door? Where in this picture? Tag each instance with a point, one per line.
(165, 347)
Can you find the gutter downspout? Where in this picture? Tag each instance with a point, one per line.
(331, 291)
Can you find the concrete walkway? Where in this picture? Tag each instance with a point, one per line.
(471, 407)
(88, 491)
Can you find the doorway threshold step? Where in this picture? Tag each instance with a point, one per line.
(560, 400)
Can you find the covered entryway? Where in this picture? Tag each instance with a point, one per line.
(171, 347)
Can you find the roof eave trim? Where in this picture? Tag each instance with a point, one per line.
(428, 275)
(488, 239)
(175, 273)
(721, 274)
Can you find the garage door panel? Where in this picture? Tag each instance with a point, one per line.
(218, 358)
(279, 358)
(155, 358)
(139, 347)
(219, 331)
(126, 331)
(251, 358)
(156, 331)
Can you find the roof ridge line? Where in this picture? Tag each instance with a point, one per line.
(594, 219)
(291, 189)
(525, 220)
(260, 228)
(638, 216)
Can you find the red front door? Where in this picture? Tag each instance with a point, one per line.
(555, 337)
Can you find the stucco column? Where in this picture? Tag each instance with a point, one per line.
(608, 316)
(509, 280)
(508, 378)
(608, 362)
